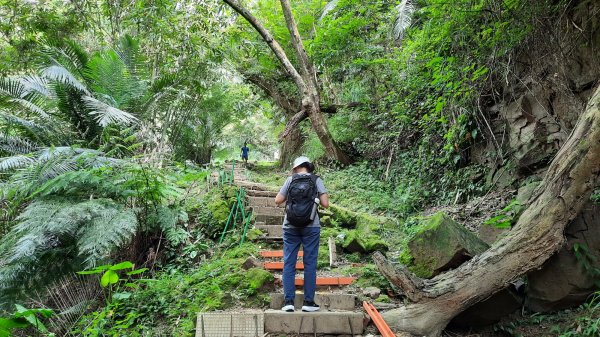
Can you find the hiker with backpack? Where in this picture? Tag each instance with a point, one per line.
(303, 192)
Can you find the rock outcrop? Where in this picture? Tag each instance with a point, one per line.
(441, 244)
(563, 282)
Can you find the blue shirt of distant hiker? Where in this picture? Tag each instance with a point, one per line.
(284, 190)
(245, 150)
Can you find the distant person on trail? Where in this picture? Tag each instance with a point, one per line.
(302, 193)
(244, 153)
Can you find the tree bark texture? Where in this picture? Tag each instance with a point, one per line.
(568, 183)
(305, 80)
(292, 144)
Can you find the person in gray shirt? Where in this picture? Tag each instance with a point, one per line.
(308, 236)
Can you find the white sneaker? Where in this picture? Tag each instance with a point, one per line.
(288, 306)
(310, 306)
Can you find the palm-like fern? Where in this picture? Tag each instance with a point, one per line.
(403, 18)
(58, 236)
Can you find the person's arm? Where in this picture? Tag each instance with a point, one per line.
(279, 199)
(323, 196)
(324, 199)
(282, 195)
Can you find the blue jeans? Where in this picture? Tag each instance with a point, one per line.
(292, 238)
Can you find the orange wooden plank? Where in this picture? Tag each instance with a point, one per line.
(276, 253)
(378, 320)
(329, 281)
(279, 265)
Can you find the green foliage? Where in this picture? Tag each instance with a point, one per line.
(25, 318)
(57, 236)
(110, 273)
(588, 261)
(168, 303)
(587, 323)
(507, 217)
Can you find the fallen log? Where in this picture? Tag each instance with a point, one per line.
(568, 183)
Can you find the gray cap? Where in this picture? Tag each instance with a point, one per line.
(300, 160)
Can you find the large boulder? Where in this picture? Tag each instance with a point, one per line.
(356, 241)
(563, 282)
(491, 310)
(441, 244)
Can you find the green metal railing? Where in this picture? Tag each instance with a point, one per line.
(226, 177)
(239, 207)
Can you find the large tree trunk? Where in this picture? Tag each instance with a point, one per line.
(306, 80)
(569, 181)
(291, 147)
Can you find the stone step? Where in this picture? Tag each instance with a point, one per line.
(327, 301)
(261, 201)
(258, 210)
(271, 231)
(321, 322)
(253, 186)
(258, 193)
(270, 220)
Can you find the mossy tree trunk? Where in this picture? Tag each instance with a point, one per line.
(569, 181)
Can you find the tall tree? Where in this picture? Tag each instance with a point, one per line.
(569, 181)
(305, 79)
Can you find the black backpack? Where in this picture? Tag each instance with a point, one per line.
(301, 199)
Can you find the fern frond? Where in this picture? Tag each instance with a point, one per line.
(16, 145)
(59, 235)
(61, 75)
(35, 84)
(403, 18)
(110, 227)
(30, 106)
(12, 88)
(129, 53)
(15, 162)
(106, 114)
(331, 5)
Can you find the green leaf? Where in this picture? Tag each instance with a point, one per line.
(6, 324)
(110, 277)
(121, 296)
(137, 271)
(122, 265)
(29, 315)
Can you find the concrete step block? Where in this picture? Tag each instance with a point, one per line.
(257, 193)
(327, 301)
(270, 220)
(271, 231)
(259, 210)
(321, 322)
(261, 201)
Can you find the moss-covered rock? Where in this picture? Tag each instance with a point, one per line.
(256, 279)
(361, 242)
(441, 244)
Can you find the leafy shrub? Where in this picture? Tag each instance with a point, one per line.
(169, 303)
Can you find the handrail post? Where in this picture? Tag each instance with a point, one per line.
(226, 225)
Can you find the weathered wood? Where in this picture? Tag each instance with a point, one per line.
(401, 277)
(332, 252)
(568, 183)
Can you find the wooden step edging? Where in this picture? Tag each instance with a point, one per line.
(378, 320)
(328, 281)
(279, 265)
(276, 253)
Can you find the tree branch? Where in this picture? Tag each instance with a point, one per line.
(401, 277)
(271, 42)
(293, 122)
(305, 65)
